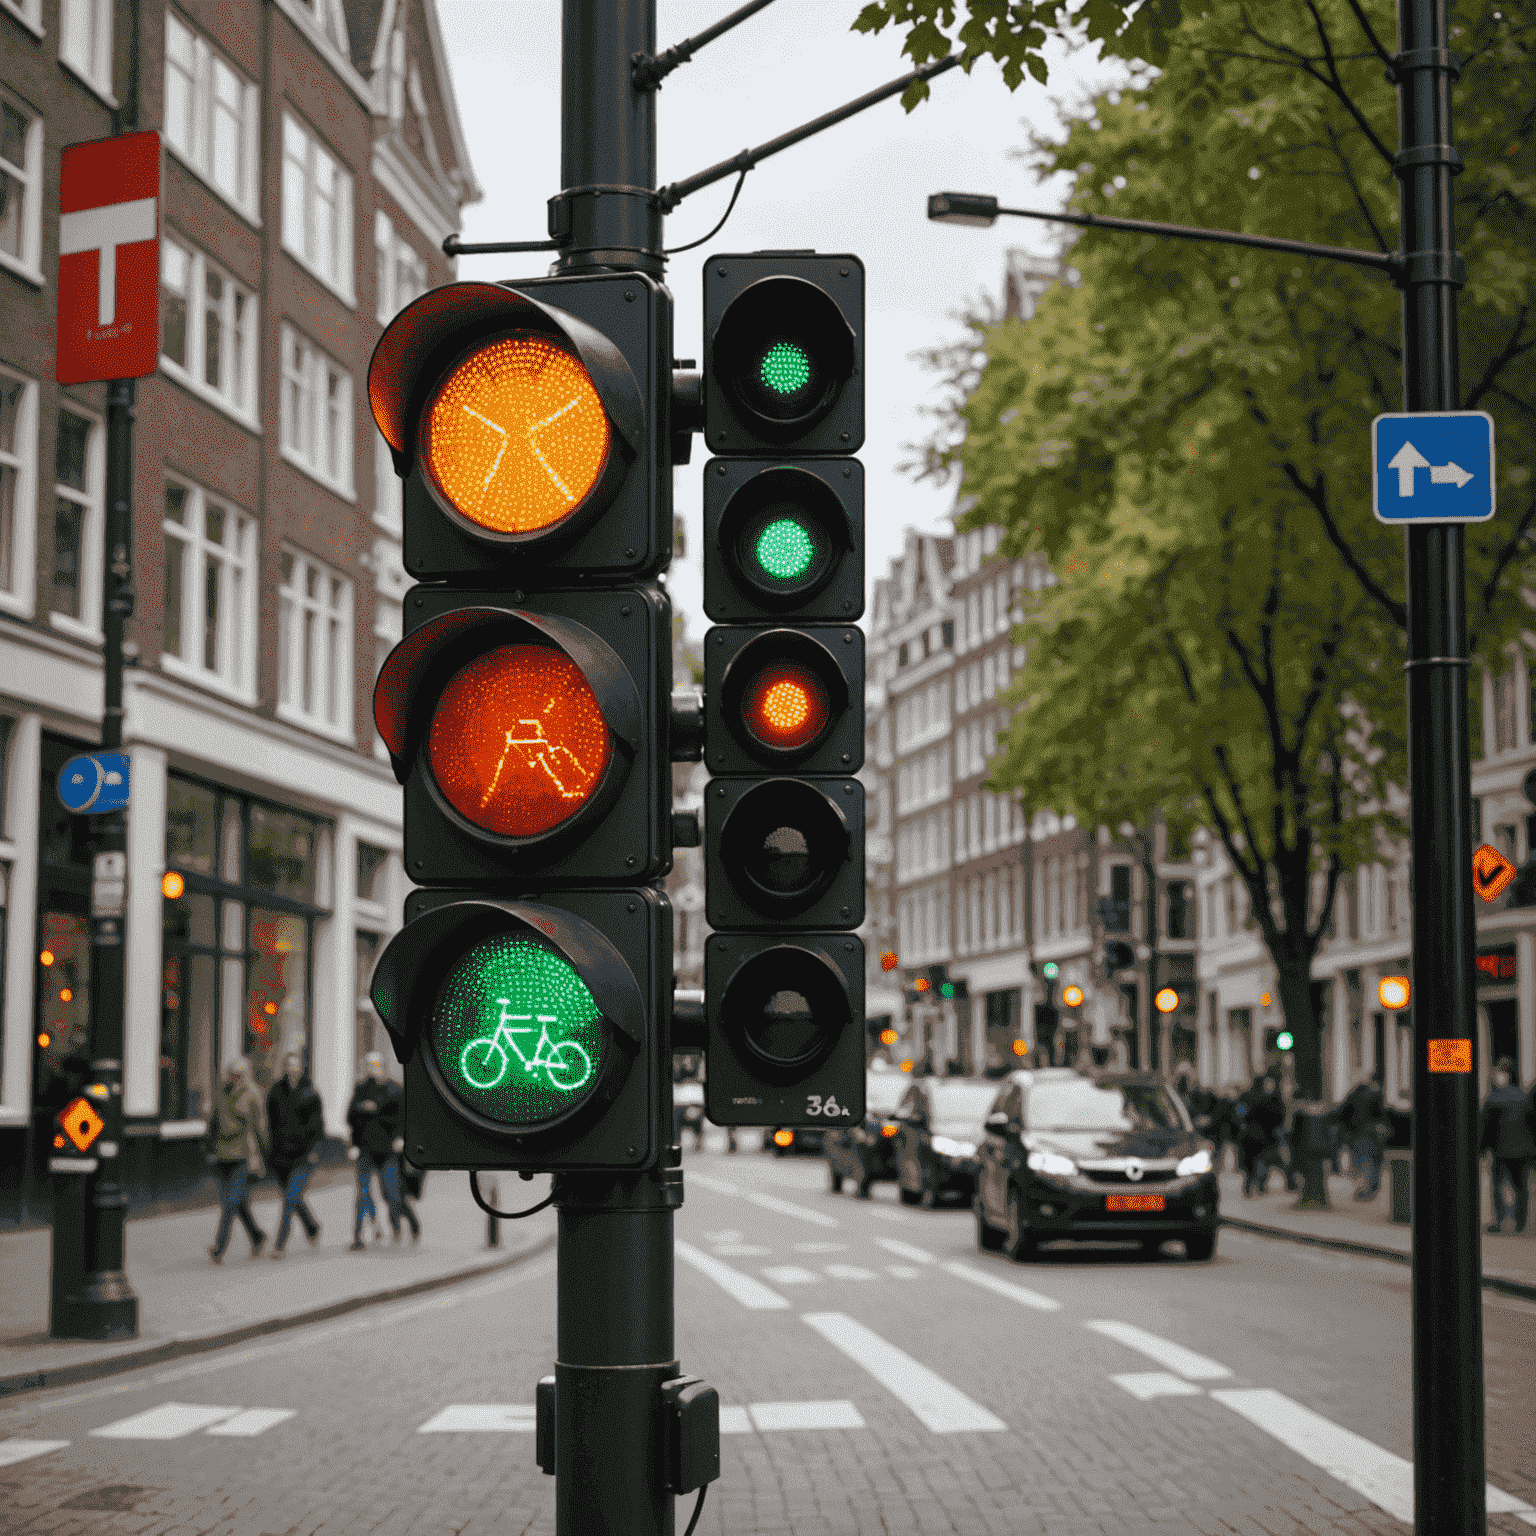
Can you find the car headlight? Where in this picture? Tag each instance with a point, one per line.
(948, 1148)
(1196, 1162)
(1052, 1162)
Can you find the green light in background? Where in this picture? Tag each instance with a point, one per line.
(785, 549)
(1049, 970)
(785, 368)
(1285, 1040)
(516, 1032)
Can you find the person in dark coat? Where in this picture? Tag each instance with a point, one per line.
(375, 1115)
(295, 1125)
(1363, 1121)
(1258, 1136)
(1507, 1132)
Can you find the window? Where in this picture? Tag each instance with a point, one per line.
(316, 415)
(210, 591)
(208, 330)
(402, 274)
(1504, 710)
(314, 646)
(28, 12)
(212, 116)
(317, 209)
(21, 188)
(85, 41)
(18, 489)
(372, 873)
(74, 593)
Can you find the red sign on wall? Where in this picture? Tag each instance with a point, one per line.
(109, 259)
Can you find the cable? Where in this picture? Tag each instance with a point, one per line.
(698, 1509)
(677, 249)
(474, 1189)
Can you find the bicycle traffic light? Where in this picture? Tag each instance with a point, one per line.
(783, 396)
(526, 712)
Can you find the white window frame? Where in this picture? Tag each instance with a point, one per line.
(28, 262)
(336, 269)
(28, 12)
(331, 714)
(90, 58)
(19, 597)
(203, 101)
(391, 252)
(237, 617)
(190, 375)
(388, 490)
(303, 412)
(93, 502)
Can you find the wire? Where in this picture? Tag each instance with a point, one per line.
(474, 1189)
(698, 1509)
(677, 249)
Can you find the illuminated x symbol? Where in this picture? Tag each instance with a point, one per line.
(1491, 872)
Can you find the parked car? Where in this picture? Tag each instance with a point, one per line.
(940, 1121)
(867, 1153)
(1114, 1155)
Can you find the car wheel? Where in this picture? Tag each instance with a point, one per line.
(1200, 1246)
(908, 1196)
(988, 1238)
(929, 1194)
(1018, 1241)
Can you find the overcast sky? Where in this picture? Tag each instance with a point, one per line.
(861, 187)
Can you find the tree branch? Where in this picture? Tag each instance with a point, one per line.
(1396, 611)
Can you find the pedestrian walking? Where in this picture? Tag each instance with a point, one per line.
(1363, 1121)
(1508, 1133)
(239, 1144)
(374, 1115)
(1258, 1135)
(295, 1124)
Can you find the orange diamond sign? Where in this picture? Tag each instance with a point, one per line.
(81, 1123)
(1491, 872)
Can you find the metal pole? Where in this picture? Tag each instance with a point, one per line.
(1448, 1448)
(614, 1276)
(104, 1305)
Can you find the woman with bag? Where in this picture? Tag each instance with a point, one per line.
(239, 1145)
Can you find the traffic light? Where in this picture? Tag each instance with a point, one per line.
(784, 687)
(526, 712)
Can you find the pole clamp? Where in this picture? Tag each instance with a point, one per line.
(1427, 154)
(1422, 58)
(1430, 267)
(1436, 661)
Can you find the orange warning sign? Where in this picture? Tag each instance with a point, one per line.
(81, 1123)
(1450, 1055)
(1491, 872)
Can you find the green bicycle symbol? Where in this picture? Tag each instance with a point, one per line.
(485, 1060)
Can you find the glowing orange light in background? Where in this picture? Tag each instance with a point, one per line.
(1393, 992)
(922, 984)
(888, 1037)
(1166, 1000)
(67, 995)
(783, 1138)
(786, 706)
(906, 1066)
(45, 1040)
(270, 1009)
(518, 742)
(889, 961)
(1021, 1048)
(172, 884)
(1072, 996)
(1263, 999)
(517, 436)
(46, 958)
(889, 1129)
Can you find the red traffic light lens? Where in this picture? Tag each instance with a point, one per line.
(786, 707)
(518, 743)
(516, 435)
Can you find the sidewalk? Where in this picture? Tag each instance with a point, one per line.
(1509, 1262)
(188, 1304)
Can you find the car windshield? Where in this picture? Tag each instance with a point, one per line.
(959, 1108)
(1090, 1106)
(883, 1091)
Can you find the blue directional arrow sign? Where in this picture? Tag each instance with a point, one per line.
(1432, 467)
(94, 783)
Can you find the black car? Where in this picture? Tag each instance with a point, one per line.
(940, 1121)
(1111, 1156)
(867, 1153)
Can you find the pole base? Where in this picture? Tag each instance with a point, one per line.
(104, 1308)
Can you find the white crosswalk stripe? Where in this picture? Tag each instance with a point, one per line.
(1185, 1362)
(790, 1274)
(750, 1292)
(903, 1271)
(481, 1418)
(849, 1272)
(905, 1250)
(766, 1418)
(15, 1449)
(1149, 1384)
(995, 1283)
(170, 1421)
(254, 1421)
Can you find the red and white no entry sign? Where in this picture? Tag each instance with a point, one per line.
(109, 259)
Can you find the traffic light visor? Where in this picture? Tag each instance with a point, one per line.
(518, 743)
(515, 437)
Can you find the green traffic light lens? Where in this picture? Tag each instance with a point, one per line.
(516, 1032)
(785, 368)
(1049, 970)
(1285, 1040)
(785, 549)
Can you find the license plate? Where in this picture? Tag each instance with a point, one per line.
(1135, 1202)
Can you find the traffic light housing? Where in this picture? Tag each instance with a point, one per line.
(526, 712)
(783, 405)
(1118, 956)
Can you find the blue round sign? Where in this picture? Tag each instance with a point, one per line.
(94, 782)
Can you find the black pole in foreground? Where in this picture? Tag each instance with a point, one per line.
(1448, 1450)
(103, 1305)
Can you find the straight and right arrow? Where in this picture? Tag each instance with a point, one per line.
(1408, 458)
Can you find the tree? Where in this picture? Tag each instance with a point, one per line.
(1181, 431)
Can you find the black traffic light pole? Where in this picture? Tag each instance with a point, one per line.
(1448, 1443)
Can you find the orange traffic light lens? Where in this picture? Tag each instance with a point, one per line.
(1393, 992)
(1021, 1048)
(172, 884)
(516, 436)
(1072, 996)
(783, 1138)
(786, 706)
(889, 1129)
(922, 984)
(1166, 1000)
(518, 743)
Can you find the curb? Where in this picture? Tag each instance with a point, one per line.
(176, 1349)
(1524, 1289)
